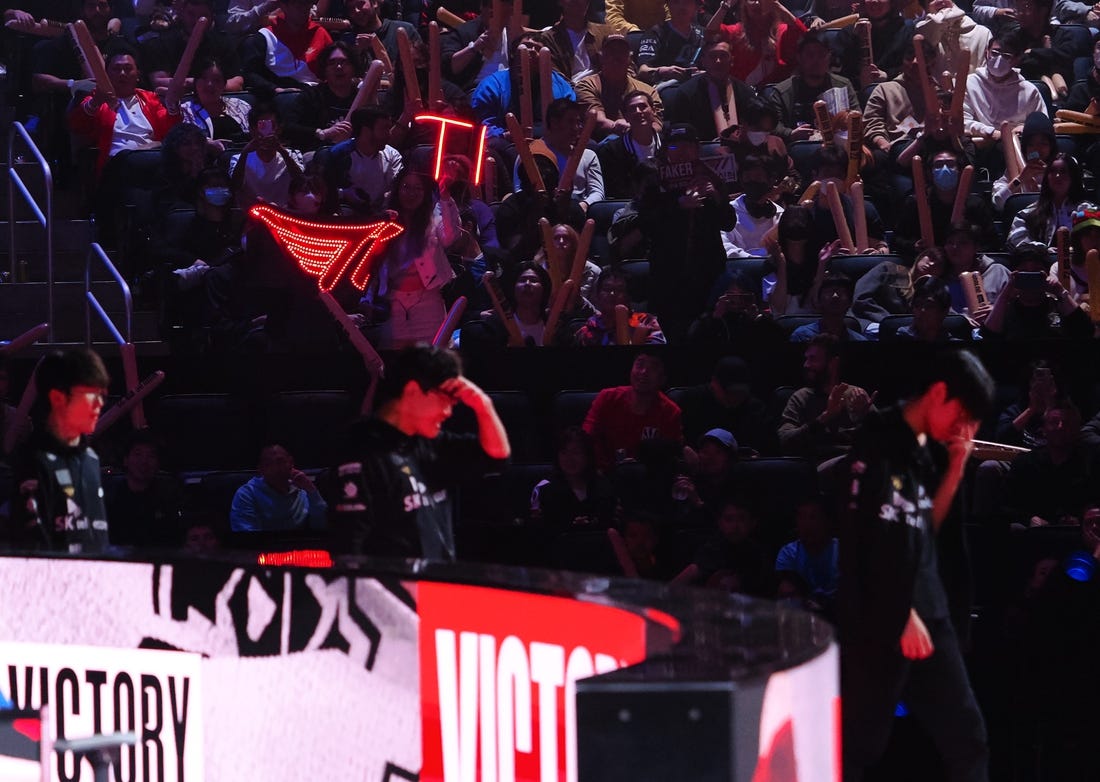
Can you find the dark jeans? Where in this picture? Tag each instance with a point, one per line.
(937, 693)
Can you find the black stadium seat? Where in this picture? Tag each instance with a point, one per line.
(637, 282)
(790, 323)
(206, 431)
(957, 326)
(774, 487)
(1014, 205)
(603, 212)
(855, 266)
(570, 408)
(518, 415)
(308, 424)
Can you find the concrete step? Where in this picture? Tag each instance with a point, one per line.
(23, 305)
(72, 239)
(69, 202)
(68, 236)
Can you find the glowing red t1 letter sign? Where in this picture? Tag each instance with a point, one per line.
(327, 250)
(475, 142)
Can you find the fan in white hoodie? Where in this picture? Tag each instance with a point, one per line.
(997, 93)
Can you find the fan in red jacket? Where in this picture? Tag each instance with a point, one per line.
(132, 119)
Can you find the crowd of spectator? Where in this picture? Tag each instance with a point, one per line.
(706, 166)
(723, 235)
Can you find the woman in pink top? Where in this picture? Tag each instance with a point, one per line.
(405, 295)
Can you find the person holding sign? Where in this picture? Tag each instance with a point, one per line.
(405, 295)
(683, 215)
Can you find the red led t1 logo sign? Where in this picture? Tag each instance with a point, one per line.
(452, 129)
(328, 250)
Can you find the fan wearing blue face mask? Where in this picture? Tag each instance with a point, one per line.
(191, 245)
(942, 173)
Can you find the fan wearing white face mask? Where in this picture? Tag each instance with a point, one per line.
(996, 92)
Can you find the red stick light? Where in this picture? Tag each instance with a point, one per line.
(327, 250)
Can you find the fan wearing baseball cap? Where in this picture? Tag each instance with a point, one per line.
(726, 401)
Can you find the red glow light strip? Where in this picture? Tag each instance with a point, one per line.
(326, 250)
(480, 159)
(304, 558)
(444, 123)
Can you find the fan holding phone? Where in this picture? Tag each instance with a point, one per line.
(1034, 304)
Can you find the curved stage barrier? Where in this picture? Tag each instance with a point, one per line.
(225, 669)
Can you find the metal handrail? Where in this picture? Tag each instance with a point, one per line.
(44, 219)
(91, 302)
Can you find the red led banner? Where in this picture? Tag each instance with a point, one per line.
(498, 670)
(327, 250)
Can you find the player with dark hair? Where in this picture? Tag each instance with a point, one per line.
(393, 487)
(897, 641)
(58, 501)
